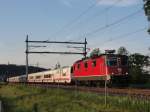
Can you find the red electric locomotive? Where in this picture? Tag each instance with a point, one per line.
(110, 67)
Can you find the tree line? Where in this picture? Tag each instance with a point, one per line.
(15, 70)
(139, 67)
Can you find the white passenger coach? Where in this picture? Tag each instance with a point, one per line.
(61, 75)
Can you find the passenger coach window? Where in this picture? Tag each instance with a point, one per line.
(31, 77)
(38, 77)
(86, 65)
(94, 63)
(47, 76)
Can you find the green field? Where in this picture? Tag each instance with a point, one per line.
(20, 98)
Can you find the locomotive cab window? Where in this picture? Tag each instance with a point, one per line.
(112, 61)
(86, 65)
(94, 63)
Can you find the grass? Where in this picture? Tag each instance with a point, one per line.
(21, 98)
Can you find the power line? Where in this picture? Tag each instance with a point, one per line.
(114, 23)
(77, 18)
(104, 10)
(125, 35)
(99, 14)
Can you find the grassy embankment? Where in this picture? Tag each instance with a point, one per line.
(32, 99)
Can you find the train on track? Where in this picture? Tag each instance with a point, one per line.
(112, 68)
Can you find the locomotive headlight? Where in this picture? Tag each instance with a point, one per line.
(127, 73)
(112, 73)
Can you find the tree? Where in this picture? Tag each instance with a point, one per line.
(123, 51)
(95, 52)
(136, 63)
(138, 60)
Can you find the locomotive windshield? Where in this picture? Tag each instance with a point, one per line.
(117, 61)
(112, 61)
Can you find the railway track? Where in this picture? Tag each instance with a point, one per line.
(138, 93)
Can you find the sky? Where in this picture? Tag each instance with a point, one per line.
(70, 20)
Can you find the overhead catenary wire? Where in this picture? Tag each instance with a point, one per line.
(114, 23)
(105, 9)
(76, 19)
(111, 24)
(99, 14)
(124, 35)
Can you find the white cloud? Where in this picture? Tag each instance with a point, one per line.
(119, 3)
